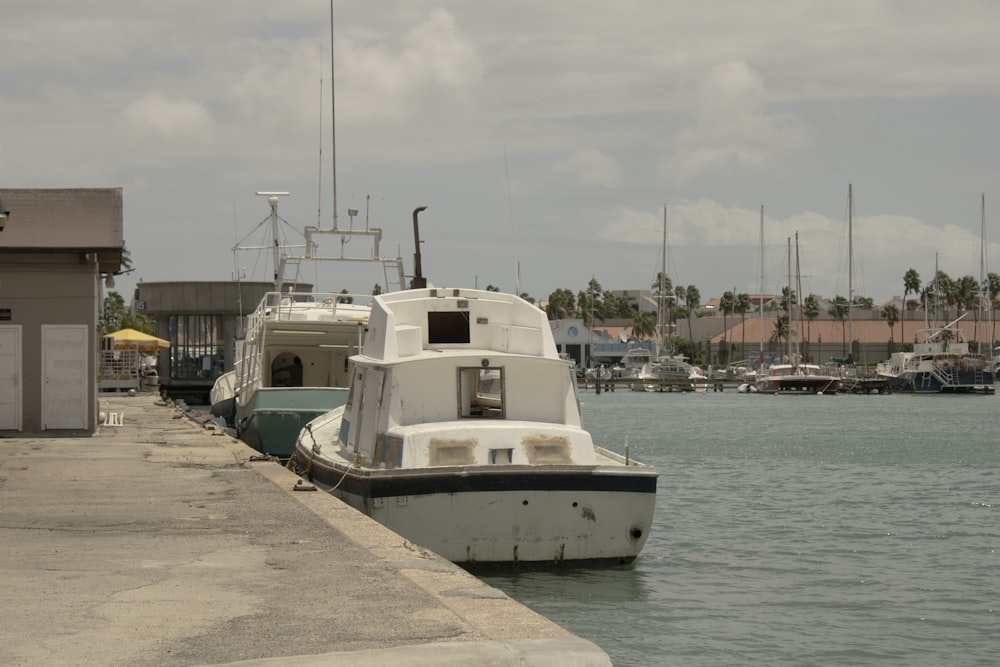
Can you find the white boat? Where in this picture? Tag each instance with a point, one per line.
(294, 366)
(796, 376)
(462, 432)
(291, 366)
(796, 379)
(633, 361)
(669, 373)
(940, 362)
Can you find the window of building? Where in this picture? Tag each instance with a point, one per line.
(196, 347)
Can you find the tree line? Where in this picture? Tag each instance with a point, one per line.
(940, 298)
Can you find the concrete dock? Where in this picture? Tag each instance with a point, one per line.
(159, 542)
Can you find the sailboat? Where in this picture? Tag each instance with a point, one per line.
(666, 370)
(752, 373)
(796, 376)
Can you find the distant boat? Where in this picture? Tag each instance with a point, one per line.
(462, 433)
(939, 363)
(796, 376)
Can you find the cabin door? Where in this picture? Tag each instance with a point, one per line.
(10, 377)
(64, 376)
(371, 406)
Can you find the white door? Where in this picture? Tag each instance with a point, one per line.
(64, 376)
(10, 377)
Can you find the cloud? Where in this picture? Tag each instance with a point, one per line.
(590, 167)
(435, 67)
(731, 128)
(156, 115)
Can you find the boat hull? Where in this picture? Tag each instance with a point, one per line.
(504, 515)
(271, 419)
(930, 382)
(798, 385)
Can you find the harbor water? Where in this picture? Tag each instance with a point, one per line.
(796, 530)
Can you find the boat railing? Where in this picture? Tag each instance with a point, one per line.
(281, 305)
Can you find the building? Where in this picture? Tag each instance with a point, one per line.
(202, 320)
(57, 247)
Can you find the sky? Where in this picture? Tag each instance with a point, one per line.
(549, 141)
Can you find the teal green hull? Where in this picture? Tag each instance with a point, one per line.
(271, 421)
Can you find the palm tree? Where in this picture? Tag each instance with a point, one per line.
(692, 298)
(993, 288)
(891, 315)
(966, 295)
(810, 309)
(911, 284)
(944, 292)
(864, 303)
(839, 310)
(562, 304)
(743, 306)
(781, 331)
(727, 304)
(643, 324)
(662, 285)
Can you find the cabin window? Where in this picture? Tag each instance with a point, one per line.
(448, 327)
(481, 393)
(501, 456)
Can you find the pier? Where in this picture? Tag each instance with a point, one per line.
(162, 540)
(657, 385)
(848, 385)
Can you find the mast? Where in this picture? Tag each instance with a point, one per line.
(660, 287)
(760, 297)
(982, 273)
(788, 303)
(278, 260)
(798, 298)
(333, 124)
(850, 266)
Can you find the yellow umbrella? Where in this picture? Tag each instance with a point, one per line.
(129, 339)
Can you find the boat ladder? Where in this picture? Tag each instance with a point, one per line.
(946, 378)
(393, 271)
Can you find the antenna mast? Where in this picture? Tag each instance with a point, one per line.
(333, 123)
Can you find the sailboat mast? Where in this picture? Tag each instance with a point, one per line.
(982, 271)
(850, 264)
(760, 297)
(661, 285)
(798, 298)
(788, 304)
(333, 124)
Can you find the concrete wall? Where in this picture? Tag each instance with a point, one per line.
(49, 289)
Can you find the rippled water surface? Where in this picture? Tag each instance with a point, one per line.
(797, 530)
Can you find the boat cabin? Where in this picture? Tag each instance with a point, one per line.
(461, 378)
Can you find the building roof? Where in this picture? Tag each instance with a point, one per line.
(65, 219)
(864, 331)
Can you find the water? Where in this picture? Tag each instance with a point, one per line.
(797, 530)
